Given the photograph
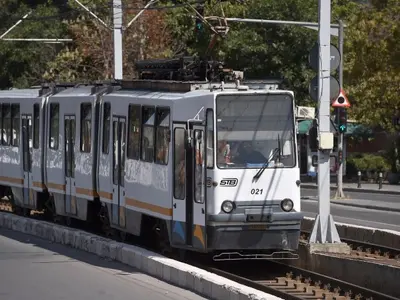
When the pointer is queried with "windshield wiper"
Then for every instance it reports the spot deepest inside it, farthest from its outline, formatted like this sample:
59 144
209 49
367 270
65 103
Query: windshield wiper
265 165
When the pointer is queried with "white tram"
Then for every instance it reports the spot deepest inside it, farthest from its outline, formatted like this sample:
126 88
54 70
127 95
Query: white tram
209 166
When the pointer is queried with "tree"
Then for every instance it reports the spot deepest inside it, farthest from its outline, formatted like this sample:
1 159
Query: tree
90 57
23 63
373 64
262 50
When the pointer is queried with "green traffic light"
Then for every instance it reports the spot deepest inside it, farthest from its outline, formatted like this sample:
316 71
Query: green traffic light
199 26
342 128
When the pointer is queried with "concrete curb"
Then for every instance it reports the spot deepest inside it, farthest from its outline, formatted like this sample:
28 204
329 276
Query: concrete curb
383 237
367 206
361 190
177 273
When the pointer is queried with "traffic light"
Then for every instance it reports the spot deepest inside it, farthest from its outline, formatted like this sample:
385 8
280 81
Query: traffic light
313 137
342 120
199 21
340 156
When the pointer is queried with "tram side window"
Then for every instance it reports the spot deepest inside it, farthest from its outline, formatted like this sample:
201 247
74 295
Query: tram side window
210 138
148 115
106 127
15 125
36 125
162 135
6 112
86 127
54 125
134 131
179 163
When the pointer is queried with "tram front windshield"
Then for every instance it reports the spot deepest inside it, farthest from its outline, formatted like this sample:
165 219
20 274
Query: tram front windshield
254 129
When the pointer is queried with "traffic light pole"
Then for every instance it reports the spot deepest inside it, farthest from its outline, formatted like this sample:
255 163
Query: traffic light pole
324 236
339 191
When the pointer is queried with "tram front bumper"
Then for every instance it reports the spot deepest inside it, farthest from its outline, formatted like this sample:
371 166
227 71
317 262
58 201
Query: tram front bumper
254 231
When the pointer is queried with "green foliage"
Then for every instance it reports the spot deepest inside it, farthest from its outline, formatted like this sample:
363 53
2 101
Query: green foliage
369 162
90 57
23 63
372 63
262 50
372 68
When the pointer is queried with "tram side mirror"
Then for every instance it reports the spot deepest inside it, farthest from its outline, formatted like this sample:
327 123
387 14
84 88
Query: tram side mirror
287 148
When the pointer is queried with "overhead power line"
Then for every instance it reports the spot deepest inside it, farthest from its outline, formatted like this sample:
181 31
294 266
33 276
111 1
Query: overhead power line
75 12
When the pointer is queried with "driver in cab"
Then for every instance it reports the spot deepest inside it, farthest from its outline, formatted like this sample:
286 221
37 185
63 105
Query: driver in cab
247 155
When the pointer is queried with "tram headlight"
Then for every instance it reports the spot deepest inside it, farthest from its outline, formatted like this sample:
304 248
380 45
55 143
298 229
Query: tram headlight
287 205
227 206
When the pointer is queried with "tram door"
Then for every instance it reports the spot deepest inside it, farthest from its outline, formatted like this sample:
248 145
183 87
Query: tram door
197 187
179 205
27 159
189 201
118 163
69 160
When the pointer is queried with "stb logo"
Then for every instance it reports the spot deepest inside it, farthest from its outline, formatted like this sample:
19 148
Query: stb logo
228 182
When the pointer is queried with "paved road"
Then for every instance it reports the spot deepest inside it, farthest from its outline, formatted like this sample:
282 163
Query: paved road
367 187
358 215
356 195
32 268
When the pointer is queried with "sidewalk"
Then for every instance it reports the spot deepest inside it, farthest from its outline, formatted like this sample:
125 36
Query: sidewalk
365 187
361 203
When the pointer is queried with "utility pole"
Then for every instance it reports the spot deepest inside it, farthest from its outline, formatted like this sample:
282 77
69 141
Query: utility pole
342 159
117 17
324 232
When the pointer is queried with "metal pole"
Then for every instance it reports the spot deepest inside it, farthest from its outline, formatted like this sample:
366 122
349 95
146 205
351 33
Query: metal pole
280 22
117 10
339 191
324 230
310 25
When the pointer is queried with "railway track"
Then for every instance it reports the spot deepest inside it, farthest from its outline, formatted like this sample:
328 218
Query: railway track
292 283
281 280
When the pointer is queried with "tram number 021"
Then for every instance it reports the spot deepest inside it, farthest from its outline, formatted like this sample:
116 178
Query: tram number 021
256 191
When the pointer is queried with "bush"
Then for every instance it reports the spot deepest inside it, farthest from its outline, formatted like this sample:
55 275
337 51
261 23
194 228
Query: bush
369 164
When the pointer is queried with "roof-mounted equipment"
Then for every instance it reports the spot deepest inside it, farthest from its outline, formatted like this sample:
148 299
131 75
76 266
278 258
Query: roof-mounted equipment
187 68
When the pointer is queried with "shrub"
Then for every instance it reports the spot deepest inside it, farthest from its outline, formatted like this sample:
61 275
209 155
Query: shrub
369 164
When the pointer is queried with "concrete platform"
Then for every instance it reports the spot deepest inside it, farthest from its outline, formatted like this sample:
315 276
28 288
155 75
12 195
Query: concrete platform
388 238
338 248
374 275
177 273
